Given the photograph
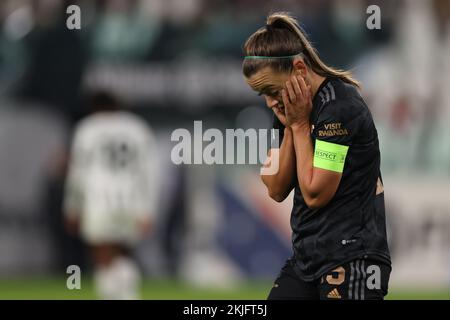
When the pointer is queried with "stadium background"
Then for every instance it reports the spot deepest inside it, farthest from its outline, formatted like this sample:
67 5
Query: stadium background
217 233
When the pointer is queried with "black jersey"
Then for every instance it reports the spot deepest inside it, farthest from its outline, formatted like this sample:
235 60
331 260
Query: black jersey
352 225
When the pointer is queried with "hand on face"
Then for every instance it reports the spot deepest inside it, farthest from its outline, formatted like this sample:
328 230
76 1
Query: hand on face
297 101
280 113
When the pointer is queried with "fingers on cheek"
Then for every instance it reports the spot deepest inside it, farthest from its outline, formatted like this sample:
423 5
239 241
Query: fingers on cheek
290 90
285 98
297 88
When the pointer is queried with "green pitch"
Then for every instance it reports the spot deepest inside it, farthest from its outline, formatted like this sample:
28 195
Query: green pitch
55 288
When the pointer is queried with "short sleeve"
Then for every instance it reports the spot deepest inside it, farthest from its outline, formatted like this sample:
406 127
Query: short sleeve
335 131
337 124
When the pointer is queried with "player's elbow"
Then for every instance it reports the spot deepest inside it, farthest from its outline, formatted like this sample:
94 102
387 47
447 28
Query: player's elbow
277 196
315 202
274 189
277 193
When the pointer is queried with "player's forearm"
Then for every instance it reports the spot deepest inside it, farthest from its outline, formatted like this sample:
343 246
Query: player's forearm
304 159
280 184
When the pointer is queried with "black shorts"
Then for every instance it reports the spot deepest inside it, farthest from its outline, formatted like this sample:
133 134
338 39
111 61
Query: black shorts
362 279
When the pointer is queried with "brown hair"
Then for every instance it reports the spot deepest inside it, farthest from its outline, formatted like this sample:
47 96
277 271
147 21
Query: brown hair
282 36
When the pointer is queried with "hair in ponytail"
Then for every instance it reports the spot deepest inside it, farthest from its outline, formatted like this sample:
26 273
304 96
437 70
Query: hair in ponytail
283 37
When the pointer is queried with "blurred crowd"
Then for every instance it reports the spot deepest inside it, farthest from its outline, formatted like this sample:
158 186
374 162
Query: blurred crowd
42 60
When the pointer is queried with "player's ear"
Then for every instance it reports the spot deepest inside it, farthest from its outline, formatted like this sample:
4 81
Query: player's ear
300 67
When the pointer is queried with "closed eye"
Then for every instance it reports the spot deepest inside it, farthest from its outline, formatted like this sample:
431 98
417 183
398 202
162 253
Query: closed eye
272 94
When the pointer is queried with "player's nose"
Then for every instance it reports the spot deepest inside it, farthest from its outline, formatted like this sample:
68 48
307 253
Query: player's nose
271 102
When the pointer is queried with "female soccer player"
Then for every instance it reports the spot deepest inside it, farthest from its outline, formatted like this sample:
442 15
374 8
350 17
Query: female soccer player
330 155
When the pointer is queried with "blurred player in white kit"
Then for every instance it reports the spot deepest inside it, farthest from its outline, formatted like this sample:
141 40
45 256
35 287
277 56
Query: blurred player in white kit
111 192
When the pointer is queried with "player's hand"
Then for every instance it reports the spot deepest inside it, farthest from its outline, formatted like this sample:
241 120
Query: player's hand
297 100
280 113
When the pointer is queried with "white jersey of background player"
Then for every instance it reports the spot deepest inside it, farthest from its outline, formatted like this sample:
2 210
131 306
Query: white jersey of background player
111 192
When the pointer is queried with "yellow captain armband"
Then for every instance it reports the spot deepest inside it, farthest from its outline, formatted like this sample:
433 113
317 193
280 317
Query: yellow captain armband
329 156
